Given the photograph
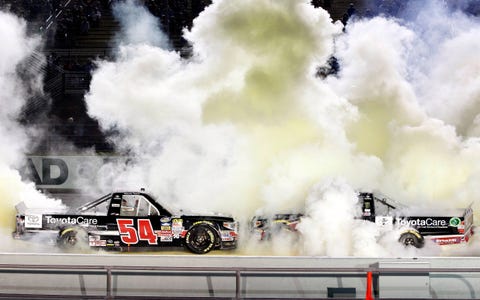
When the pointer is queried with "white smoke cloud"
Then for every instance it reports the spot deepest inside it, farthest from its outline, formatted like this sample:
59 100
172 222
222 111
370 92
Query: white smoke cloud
192 123
14 137
332 208
138 26
17 47
244 125
457 100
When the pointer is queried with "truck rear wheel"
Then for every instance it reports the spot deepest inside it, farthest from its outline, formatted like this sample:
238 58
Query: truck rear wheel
410 239
201 239
73 238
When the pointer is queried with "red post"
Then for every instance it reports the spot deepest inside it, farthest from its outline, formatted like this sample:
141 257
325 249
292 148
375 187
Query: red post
369 294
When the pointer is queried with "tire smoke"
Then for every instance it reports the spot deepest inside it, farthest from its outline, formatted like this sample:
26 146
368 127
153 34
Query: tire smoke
15 138
244 125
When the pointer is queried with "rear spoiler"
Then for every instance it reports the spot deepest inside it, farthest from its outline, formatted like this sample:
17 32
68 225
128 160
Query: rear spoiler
21 208
468 209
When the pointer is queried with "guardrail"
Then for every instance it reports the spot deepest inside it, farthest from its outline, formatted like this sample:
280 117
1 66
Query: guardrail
236 273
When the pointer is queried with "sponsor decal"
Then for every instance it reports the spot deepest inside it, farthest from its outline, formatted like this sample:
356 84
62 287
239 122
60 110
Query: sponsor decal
166 239
384 222
166 228
177 231
177 228
80 220
93 240
33 221
165 220
426 222
226 236
448 240
455 221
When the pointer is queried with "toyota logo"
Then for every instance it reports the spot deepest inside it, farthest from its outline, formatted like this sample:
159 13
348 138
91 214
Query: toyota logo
33 219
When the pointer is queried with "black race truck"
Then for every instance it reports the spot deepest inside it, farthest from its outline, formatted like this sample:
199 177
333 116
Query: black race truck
124 220
442 227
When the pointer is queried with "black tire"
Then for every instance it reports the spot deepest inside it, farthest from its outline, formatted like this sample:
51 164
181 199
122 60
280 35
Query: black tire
73 238
201 239
409 239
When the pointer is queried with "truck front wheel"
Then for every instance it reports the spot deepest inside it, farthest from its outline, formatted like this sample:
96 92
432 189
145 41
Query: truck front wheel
200 239
410 239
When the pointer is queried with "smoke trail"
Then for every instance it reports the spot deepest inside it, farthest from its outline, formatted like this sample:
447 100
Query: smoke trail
245 125
138 25
200 121
14 138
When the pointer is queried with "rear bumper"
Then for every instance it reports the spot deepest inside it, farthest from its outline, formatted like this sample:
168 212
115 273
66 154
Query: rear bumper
453 239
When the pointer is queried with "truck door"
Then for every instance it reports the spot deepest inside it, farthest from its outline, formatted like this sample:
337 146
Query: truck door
141 224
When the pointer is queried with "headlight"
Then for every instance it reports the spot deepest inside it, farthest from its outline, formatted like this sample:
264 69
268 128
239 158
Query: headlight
231 225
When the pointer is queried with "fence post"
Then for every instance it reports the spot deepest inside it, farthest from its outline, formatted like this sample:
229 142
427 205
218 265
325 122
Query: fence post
109 283
237 285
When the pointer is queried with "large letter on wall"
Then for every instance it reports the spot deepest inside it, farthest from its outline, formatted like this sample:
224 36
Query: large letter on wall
54 171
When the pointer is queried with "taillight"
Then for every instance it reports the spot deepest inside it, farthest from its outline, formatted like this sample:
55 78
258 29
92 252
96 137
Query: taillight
461 227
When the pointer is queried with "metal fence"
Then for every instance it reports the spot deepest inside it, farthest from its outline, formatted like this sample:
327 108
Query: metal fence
237 276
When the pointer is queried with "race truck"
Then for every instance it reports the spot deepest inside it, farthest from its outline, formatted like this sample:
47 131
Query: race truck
123 220
442 227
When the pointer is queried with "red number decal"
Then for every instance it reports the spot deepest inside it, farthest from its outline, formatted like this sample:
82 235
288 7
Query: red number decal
128 234
145 231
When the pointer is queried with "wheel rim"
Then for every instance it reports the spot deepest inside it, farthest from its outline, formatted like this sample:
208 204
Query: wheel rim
72 240
409 241
201 239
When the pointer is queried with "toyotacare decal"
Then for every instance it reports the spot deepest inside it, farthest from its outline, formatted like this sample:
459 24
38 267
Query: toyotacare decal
427 222
71 220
